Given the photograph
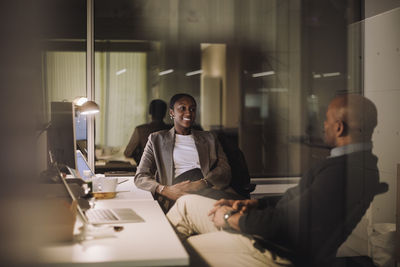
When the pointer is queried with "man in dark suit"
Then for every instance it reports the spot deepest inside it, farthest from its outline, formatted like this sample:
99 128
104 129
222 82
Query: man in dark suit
137 143
311 221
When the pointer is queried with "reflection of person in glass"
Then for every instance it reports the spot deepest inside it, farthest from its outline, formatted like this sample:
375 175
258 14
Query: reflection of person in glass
137 143
182 160
311 220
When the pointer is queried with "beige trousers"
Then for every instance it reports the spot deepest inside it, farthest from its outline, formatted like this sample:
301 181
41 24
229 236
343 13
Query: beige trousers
216 247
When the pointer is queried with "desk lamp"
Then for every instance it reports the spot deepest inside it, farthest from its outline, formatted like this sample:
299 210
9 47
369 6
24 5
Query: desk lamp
85 106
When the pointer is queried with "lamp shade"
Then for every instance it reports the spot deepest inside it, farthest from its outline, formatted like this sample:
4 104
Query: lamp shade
89 107
79 100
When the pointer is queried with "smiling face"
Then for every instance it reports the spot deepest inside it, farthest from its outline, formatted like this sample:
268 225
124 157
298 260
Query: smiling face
184 114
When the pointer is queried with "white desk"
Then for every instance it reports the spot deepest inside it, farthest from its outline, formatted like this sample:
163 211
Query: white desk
151 243
128 191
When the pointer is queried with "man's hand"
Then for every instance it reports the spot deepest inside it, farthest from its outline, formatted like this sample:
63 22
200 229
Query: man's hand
218 216
222 206
244 205
240 205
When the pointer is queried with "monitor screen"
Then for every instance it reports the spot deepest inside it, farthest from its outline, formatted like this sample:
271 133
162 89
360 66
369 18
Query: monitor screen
82 165
80 127
62 142
81 133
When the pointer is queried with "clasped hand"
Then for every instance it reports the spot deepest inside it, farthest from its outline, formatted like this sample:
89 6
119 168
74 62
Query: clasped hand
222 206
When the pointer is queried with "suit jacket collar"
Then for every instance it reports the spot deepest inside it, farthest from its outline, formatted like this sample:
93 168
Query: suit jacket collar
350 148
167 151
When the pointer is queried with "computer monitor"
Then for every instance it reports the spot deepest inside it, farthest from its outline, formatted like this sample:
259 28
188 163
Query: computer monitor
62 141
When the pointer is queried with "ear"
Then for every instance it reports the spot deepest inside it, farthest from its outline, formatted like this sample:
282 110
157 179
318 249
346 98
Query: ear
340 129
171 113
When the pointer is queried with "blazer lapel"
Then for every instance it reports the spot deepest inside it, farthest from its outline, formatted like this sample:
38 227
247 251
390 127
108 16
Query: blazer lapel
202 149
167 150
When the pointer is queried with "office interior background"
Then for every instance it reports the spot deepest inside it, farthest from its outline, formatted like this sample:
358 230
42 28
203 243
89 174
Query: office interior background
261 71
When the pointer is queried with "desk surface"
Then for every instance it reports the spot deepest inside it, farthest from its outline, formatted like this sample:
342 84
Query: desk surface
150 243
128 191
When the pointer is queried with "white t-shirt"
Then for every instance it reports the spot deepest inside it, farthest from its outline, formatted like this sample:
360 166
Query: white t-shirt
185 154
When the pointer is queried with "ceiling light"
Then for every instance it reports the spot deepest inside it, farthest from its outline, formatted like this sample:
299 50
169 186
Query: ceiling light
265 73
194 72
331 74
120 71
165 72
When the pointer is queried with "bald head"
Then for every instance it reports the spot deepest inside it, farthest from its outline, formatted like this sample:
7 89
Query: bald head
351 118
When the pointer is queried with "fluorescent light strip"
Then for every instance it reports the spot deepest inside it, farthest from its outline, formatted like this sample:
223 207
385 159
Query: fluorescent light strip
194 72
120 71
317 76
165 72
260 74
273 90
331 74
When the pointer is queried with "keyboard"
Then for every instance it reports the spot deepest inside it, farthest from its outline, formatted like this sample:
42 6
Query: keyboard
100 215
120 215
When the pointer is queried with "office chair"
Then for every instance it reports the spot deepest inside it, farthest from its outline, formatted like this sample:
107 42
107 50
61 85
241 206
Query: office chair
240 181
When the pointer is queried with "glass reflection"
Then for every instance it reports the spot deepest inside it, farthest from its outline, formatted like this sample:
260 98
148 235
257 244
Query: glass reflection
261 71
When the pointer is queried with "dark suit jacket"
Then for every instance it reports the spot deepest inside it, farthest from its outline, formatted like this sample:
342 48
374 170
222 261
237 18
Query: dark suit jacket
157 164
314 218
138 140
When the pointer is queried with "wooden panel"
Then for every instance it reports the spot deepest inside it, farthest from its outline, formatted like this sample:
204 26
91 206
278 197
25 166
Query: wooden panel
210 102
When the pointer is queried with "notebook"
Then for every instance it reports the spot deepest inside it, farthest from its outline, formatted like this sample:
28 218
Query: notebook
103 216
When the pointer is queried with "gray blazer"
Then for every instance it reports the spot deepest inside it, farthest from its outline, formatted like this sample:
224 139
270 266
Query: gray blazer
157 164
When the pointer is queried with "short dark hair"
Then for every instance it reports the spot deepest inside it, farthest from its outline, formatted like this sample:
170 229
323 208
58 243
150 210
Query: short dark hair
157 109
360 115
176 97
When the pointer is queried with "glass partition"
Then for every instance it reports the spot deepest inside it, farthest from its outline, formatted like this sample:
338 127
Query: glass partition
120 83
262 71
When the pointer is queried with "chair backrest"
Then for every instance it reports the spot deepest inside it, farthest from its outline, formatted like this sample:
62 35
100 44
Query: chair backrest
382 188
240 181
